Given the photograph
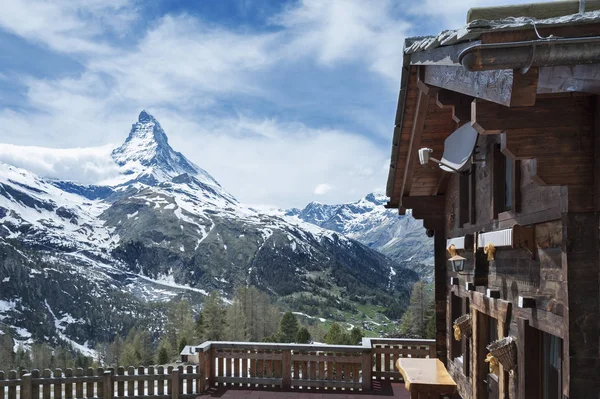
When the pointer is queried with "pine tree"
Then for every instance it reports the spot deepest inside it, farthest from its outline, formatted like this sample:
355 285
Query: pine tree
214 317
182 344
356 336
288 327
63 358
200 327
414 323
115 350
336 335
144 345
22 359
163 355
41 356
303 336
7 355
236 321
180 322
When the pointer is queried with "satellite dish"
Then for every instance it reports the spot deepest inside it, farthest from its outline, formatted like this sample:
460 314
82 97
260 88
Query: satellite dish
458 148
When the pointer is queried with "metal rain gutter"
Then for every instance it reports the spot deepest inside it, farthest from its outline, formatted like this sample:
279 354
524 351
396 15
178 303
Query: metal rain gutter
531 53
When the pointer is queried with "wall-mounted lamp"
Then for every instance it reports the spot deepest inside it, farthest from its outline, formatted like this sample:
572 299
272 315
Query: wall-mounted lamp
457 261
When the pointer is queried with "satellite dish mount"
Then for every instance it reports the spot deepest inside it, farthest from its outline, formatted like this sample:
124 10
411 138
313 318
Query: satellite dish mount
425 157
458 151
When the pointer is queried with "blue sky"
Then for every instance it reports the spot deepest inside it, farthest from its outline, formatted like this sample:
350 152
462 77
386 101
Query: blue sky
283 102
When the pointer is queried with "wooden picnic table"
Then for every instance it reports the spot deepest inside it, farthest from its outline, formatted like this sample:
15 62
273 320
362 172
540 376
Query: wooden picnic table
425 378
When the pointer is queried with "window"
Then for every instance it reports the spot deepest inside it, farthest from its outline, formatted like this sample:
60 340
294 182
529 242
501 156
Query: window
508 186
551 367
466 209
506 183
541 373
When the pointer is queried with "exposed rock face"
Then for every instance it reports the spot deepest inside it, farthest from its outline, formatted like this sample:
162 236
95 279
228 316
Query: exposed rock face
81 262
400 237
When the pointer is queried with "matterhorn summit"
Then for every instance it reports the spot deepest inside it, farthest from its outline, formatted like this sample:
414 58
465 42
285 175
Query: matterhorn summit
146 155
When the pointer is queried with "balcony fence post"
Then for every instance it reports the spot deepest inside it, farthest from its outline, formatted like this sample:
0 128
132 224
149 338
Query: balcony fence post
175 384
26 386
202 371
211 366
108 385
367 369
286 368
432 350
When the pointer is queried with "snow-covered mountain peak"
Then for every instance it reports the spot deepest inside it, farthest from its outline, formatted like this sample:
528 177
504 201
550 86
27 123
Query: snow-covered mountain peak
147 141
145 117
374 198
147 156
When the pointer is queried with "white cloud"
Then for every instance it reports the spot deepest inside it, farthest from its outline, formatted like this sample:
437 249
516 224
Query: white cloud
322 189
282 166
84 165
65 25
347 31
185 61
179 69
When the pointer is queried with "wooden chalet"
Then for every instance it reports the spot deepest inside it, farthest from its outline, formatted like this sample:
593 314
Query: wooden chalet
520 204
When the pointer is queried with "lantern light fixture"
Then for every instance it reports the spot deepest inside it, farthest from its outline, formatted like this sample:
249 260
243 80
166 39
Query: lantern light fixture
457 261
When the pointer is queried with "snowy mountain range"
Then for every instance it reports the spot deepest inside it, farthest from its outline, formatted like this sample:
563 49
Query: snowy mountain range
400 237
80 263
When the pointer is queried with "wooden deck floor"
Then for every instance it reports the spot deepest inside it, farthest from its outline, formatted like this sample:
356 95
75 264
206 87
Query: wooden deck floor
381 389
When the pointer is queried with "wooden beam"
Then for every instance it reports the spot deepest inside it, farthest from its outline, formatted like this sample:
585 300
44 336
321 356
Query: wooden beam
596 146
524 88
442 184
497 308
491 118
415 140
572 78
505 87
549 171
429 204
460 104
495 86
425 91
534 143
434 223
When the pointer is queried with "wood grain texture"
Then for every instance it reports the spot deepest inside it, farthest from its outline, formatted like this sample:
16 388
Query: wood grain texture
494 86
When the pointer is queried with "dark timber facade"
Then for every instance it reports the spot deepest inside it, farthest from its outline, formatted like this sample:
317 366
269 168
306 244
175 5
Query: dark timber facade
531 88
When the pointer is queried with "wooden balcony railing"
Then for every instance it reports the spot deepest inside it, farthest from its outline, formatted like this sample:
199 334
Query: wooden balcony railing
254 365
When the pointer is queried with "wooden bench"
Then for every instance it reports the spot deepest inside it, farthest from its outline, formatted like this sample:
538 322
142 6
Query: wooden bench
425 378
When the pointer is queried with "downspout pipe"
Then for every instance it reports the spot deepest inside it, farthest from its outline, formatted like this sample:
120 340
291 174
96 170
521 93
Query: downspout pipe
531 53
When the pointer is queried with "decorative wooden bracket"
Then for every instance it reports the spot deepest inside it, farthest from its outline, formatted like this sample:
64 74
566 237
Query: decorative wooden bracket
526 302
460 104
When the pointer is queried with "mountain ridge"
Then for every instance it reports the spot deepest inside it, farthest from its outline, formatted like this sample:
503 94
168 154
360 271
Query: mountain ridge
400 237
157 234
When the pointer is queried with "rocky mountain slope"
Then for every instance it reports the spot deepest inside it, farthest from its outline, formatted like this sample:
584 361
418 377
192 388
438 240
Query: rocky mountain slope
399 237
79 263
